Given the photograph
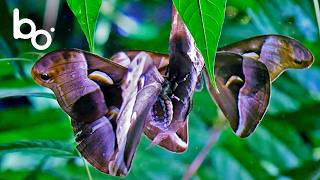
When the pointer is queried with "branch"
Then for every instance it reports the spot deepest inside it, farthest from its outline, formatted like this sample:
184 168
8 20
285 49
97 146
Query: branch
203 153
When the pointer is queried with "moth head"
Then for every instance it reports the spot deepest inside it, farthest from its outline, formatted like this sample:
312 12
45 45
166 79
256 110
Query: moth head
297 55
42 74
50 67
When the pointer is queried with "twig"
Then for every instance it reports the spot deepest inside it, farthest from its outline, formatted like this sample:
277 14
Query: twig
317 10
203 153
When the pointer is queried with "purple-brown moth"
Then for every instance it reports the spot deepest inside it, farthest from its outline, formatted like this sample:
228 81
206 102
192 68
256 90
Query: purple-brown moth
167 122
107 102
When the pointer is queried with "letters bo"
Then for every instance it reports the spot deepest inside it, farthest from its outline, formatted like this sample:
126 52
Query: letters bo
33 34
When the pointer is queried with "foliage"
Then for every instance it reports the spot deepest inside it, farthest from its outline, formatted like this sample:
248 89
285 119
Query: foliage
204 19
87 13
36 140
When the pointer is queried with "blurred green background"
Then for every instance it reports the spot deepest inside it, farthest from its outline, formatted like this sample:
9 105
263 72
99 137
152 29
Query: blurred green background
36 140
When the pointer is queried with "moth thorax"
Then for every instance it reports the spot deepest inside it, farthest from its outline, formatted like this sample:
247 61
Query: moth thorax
166 88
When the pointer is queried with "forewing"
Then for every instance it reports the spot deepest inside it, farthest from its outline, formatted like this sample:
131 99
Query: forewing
277 52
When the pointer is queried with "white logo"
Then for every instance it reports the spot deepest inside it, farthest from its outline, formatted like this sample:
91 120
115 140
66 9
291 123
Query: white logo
33 34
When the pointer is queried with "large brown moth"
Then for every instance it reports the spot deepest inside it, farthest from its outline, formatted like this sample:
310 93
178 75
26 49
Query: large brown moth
249 66
108 103
167 122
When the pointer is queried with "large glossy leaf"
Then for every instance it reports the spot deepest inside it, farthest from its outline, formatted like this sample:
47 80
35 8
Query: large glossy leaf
204 19
86 12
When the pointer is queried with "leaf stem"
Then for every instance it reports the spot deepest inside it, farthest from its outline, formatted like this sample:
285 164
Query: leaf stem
17 59
86 166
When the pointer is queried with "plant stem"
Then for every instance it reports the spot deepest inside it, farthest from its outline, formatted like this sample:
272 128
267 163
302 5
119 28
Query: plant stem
203 153
86 166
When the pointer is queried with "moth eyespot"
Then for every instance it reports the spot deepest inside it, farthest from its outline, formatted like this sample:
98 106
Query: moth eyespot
298 61
45 77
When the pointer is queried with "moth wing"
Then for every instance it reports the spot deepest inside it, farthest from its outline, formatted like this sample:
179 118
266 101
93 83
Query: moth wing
276 52
112 69
161 61
96 142
243 91
254 96
140 89
226 66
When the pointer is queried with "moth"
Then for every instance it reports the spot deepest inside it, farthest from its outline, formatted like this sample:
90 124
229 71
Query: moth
111 102
244 72
107 102
167 122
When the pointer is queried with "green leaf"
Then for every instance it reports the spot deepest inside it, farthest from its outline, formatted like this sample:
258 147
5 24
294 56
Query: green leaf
204 19
279 144
231 154
50 148
35 92
308 170
15 119
54 130
87 12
